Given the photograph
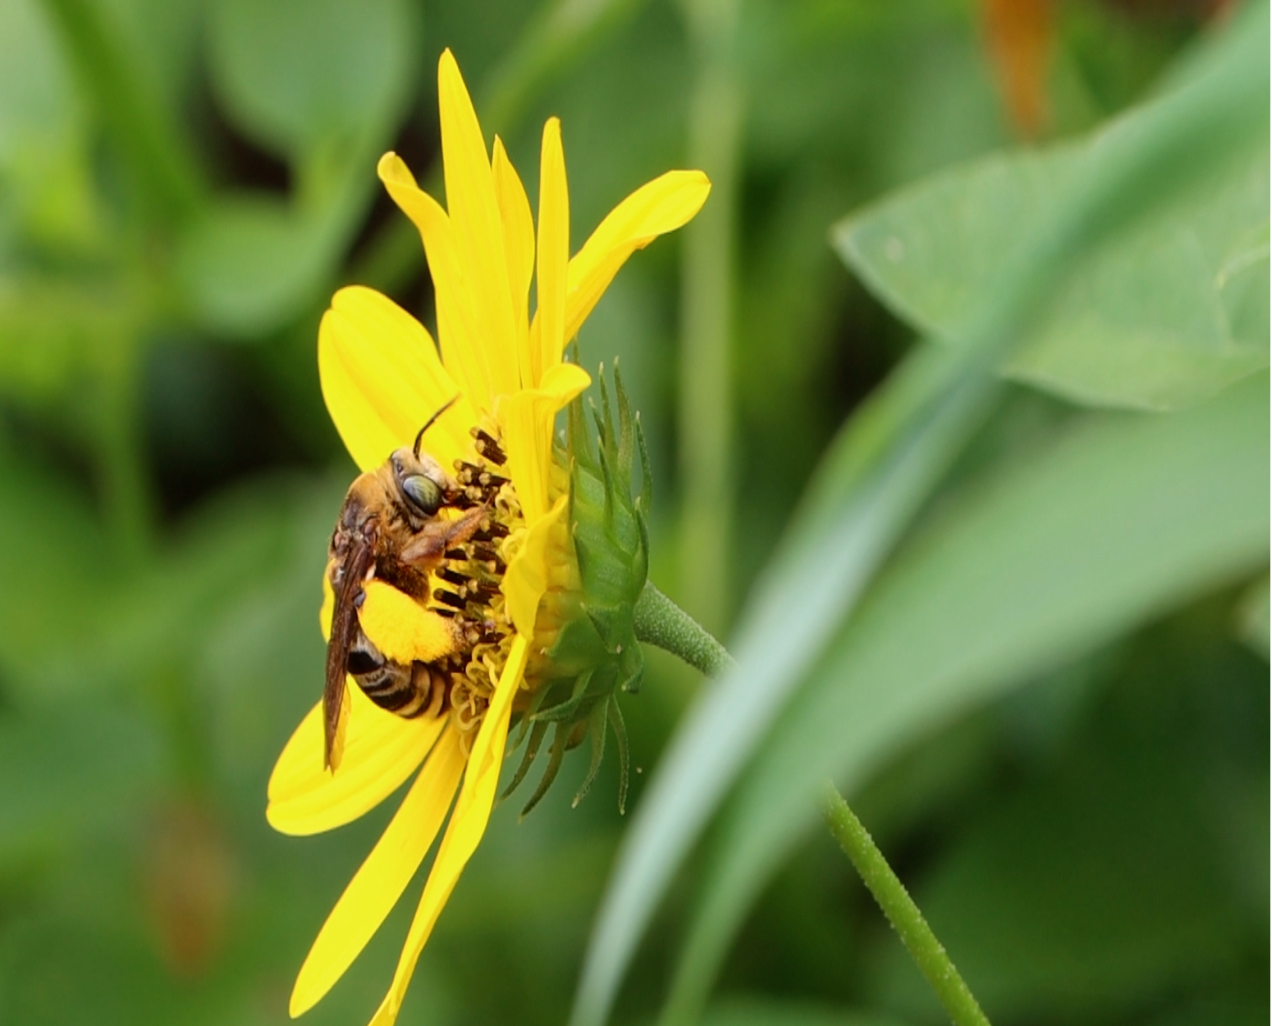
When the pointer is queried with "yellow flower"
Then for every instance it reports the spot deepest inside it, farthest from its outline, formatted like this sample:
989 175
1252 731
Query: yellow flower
382 377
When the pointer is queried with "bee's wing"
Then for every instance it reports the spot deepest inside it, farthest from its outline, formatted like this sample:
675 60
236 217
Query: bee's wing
344 627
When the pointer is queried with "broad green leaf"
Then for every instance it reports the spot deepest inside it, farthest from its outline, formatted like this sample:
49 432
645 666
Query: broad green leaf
163 176
1118 522
324 85
160 37
252 263
1159 316
37 96
300 74
44 173
875 478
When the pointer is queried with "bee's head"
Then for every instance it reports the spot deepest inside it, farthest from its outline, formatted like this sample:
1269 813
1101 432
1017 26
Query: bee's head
420 478
421 482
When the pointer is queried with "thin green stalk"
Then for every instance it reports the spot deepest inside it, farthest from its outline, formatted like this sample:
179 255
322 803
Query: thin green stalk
705 415
659 621
125 484
904 915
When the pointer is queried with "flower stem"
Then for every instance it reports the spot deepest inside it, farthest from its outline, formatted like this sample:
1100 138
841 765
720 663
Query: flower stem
661 622
904 915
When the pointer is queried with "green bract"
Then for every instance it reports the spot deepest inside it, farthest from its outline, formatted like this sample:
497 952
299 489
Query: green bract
595 654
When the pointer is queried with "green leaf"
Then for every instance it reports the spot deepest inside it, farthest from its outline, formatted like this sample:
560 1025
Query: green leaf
323 84
251 263
43 137
1159 316
37 97
1120 521
166 178
295 74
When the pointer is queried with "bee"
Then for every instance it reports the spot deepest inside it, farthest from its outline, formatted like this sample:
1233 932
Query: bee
391 528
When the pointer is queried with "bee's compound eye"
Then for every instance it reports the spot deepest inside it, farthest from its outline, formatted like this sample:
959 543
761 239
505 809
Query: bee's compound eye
423 493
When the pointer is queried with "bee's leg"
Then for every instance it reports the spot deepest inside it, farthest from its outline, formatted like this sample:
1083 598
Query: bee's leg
429 546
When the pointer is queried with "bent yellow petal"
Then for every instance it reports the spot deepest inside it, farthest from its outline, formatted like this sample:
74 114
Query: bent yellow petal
526 578
554 254
526 421
327 609
382 379
654 209
381 750
379 882
401 628
467 824
458 327
478 229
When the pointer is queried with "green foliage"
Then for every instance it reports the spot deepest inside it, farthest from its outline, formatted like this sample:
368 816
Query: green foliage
995 593
889 460
301 77
1162 315
1027 636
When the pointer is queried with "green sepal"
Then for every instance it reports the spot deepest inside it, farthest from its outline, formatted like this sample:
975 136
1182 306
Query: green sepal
595 654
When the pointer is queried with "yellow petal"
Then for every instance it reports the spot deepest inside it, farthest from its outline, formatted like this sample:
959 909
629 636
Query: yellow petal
518 232
526 578
381 750
457 321
525 421
382 379
477 226
657 207
328 608
379 882
467 824
554 253
401 628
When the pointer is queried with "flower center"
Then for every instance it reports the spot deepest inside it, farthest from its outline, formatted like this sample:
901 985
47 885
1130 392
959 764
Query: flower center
466 588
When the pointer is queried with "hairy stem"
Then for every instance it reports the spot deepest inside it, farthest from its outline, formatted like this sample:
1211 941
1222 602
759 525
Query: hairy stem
661 622
904 915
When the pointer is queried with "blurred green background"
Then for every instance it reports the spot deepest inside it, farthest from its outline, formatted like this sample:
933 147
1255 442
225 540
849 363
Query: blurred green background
1084 816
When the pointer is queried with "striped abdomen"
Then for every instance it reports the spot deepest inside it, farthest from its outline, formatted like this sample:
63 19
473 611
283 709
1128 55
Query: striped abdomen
406 690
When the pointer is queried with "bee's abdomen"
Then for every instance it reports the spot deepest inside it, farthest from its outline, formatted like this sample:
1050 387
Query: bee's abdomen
406 690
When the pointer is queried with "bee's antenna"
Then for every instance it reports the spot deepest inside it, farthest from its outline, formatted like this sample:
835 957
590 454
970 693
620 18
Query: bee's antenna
429 423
